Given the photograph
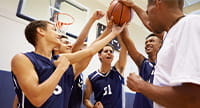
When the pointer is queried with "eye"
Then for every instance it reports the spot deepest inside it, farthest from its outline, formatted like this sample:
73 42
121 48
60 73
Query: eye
106 51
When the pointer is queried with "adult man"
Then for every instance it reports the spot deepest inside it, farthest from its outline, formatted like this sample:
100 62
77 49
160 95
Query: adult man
142 14
145 65
176 77
41 81
107 82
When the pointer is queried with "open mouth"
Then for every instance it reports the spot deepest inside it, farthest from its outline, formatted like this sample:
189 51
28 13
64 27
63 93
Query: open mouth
108 57
149 47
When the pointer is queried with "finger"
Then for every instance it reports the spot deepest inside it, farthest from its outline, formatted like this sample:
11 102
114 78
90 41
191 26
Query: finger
124 25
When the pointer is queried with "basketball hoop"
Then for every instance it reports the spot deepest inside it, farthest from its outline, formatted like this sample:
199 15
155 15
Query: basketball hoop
62 22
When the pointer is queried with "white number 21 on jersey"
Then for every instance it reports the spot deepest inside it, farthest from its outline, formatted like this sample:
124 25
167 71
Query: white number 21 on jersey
107 90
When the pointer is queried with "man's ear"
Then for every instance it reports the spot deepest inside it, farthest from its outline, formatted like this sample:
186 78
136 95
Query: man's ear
99 55
40 31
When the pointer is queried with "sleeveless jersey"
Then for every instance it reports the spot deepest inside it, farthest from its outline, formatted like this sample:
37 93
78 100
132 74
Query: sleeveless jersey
76 95
108 88
44 68
146 72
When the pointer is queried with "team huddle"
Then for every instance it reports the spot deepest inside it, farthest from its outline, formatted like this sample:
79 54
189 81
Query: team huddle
51 75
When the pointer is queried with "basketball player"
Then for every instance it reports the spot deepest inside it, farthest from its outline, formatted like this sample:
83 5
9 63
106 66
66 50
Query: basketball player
44 82
76 95
107 82
145 65
176 77
72 48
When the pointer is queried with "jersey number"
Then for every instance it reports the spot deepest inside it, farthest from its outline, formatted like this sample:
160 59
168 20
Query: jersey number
58 90
107 90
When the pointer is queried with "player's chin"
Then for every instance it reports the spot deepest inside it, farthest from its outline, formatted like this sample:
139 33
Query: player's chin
149 52
109 60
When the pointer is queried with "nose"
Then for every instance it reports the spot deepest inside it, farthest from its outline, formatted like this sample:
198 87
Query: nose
69 46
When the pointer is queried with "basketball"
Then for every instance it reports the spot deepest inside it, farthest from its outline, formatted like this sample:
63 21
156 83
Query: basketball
121 13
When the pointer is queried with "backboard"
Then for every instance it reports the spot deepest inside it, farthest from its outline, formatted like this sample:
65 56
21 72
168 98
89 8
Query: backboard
44 10
114 42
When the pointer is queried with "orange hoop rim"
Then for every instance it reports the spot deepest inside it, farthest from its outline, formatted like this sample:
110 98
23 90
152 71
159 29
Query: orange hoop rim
64 23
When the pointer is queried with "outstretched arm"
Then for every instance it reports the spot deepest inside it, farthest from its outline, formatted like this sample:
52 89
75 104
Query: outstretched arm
82 64
28 80
121 62
107 30
84 33
184 96
95 47
87 94
139 11
135 55
86 54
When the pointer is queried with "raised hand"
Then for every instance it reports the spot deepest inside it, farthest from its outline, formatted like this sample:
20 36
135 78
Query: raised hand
109 23
128 3
117 29
98 105
98 14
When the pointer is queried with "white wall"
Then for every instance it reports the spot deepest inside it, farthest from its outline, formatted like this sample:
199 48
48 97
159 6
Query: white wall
12 37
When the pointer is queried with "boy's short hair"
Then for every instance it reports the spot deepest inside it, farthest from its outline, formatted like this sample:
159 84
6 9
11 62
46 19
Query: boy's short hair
105 46
31 30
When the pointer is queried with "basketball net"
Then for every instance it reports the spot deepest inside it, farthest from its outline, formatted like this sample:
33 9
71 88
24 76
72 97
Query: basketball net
62 22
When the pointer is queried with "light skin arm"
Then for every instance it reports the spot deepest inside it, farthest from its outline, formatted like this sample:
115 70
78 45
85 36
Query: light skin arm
87 94
28 80
135 55
80 40
139 11
121 62
107 30
92 49
184 96
80 66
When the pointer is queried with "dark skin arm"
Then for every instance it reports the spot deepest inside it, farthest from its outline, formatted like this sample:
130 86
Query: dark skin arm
184 96
139 11
132 51
121 62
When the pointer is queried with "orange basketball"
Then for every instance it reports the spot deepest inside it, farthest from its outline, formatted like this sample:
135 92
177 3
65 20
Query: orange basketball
121 13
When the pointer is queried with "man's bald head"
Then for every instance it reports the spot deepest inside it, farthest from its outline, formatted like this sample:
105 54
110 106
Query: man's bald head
170 3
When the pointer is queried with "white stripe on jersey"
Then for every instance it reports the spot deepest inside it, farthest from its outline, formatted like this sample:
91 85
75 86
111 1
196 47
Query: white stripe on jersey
94 76
103 75
15 82
123 96
23 99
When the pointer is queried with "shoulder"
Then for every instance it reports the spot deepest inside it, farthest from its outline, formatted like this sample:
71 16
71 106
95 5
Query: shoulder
19 57
147 62
189 20
20 61
193 17
92 75
114 71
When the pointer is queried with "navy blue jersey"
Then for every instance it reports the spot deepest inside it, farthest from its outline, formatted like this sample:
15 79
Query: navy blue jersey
146 72
44 68
76 95
108 88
